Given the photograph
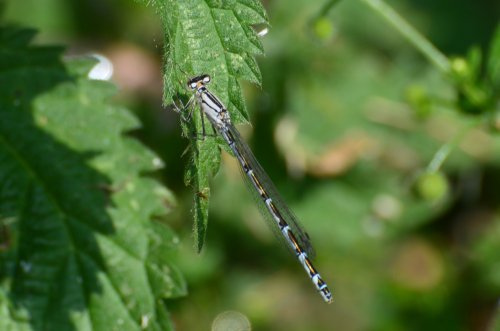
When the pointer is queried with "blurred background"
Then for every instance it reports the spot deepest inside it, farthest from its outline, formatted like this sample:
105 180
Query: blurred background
348 119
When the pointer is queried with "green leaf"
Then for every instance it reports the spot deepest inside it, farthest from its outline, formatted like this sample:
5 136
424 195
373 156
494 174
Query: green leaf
493 65
484 253
79 249
212 37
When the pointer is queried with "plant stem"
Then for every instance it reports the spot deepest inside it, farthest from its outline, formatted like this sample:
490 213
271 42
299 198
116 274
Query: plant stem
411 34
444 151
439 157
326 8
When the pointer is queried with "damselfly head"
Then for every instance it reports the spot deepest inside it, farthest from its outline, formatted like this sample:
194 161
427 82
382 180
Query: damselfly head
198 81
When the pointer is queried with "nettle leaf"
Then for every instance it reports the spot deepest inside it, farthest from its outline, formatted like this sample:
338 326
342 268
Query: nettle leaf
78 247
212 37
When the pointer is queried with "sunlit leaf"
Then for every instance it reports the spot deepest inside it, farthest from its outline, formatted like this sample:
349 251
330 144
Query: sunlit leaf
214 37
82 252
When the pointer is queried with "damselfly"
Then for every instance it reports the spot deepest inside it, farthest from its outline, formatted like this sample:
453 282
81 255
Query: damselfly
272 206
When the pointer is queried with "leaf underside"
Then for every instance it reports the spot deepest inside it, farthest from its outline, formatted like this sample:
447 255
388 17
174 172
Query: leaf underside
78 248
214 37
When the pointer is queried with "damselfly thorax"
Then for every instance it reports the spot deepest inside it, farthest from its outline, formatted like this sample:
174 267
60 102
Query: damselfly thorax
272 206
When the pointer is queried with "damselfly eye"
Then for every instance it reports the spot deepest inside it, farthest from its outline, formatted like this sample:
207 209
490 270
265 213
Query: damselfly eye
268 198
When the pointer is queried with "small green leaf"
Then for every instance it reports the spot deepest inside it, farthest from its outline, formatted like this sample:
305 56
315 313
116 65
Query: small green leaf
82 251
493 65
474 60
212 37
418 97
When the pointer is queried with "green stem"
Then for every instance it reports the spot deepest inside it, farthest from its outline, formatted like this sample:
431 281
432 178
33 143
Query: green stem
326 8
411 34
444 151
440 156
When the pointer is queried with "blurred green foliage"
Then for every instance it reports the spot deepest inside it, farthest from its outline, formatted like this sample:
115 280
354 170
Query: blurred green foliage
391 163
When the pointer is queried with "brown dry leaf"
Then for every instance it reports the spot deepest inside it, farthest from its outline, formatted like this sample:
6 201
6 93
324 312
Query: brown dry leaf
341 156
417 265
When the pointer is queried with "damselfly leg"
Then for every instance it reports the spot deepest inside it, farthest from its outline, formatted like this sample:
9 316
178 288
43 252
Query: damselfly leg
273 207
